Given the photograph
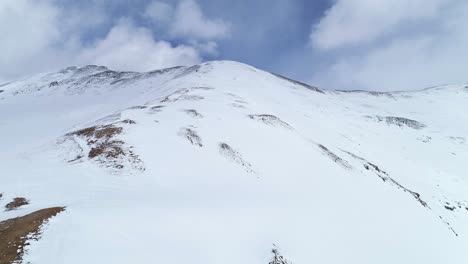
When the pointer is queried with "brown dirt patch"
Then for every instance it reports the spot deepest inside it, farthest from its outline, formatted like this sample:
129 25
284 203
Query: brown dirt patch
108 149
105 149
16 203
99 132
14 233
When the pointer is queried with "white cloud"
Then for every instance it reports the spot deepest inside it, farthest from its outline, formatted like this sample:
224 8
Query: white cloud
205 47
186 21
28 29
159 12
127 47
416 48
355 22
190 22
41 35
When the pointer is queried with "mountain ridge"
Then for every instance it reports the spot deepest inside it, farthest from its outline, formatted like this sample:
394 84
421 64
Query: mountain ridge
221 160
97 71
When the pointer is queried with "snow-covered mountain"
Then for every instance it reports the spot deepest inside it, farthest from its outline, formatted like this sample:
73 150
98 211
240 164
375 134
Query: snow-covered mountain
217 162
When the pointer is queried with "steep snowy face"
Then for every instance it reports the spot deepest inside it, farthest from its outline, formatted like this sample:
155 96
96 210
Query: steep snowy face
217 162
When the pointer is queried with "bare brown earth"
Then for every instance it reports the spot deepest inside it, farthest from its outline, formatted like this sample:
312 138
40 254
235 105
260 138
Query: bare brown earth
15 232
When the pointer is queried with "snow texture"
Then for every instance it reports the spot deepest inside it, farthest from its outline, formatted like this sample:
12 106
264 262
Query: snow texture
213 163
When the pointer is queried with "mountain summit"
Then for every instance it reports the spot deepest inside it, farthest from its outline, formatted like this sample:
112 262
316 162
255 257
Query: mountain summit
217 162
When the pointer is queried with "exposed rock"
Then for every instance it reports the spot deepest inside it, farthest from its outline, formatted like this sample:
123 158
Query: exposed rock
191 136
234 156
334 157
156 109
193 113
106 150
278 258
400 121
383 175
137 107
270 120
16 203
129 122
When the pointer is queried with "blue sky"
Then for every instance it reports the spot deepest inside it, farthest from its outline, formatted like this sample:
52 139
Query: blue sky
334 44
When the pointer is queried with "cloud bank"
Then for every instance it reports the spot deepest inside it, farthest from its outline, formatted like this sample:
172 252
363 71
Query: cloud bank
42 35
393 45
341 44
128 47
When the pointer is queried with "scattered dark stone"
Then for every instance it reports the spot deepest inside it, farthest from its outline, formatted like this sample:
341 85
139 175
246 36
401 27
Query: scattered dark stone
334 157
1 91
157 108
231 154
377 168
277 258
129 121
373 93
401 121
191 136
193 113
137 107
451 208
78 157
383 175
52 84
270 120
16 203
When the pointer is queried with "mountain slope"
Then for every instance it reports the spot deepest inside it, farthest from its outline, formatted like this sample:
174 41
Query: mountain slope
216 162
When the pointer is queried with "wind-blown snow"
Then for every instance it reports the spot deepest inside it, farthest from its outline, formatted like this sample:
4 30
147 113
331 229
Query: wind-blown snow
327 176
